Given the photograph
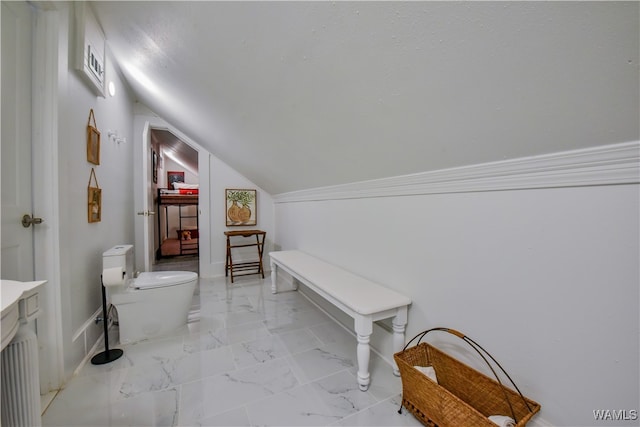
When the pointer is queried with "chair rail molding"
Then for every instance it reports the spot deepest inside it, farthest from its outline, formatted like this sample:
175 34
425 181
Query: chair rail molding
612 164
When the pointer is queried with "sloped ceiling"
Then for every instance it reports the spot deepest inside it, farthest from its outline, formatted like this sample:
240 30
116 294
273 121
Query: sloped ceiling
297 95
170 145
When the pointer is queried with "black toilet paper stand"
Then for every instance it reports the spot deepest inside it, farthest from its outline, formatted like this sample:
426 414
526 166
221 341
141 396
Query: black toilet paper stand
108 355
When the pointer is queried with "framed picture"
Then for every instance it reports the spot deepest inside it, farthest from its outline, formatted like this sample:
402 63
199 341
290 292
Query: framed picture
174 176
94 199
95 204
154 158
93 141
241 207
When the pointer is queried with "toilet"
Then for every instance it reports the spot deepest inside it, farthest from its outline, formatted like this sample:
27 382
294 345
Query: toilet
151 304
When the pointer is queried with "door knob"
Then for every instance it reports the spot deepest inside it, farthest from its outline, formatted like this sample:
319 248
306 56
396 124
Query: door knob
146 213
27 220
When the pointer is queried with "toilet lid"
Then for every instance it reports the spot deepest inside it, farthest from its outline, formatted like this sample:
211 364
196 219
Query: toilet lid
160 279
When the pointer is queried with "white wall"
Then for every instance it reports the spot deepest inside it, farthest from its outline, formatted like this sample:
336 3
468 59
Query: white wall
545 279
82 243
223 177
190 177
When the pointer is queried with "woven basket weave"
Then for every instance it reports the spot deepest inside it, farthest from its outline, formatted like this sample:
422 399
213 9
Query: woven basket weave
462 396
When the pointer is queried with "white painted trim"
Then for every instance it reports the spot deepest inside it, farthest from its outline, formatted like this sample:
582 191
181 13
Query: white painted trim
46 201
81 332
89 322
93 350
204 210
605 165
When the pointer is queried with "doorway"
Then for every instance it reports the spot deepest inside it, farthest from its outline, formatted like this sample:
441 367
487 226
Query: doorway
144 122
175 183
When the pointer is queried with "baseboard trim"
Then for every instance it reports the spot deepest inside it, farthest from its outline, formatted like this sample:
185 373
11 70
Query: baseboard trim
91 321
604 165
90 349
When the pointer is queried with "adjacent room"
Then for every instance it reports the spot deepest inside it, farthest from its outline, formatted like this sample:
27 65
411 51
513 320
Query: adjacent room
239 213
174 188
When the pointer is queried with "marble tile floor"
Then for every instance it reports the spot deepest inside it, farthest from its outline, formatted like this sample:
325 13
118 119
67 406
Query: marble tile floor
246 358
184 263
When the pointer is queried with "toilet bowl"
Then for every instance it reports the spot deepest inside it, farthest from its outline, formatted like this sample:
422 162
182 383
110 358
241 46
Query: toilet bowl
152 304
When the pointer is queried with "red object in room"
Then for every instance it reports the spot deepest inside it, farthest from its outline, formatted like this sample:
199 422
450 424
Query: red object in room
188 191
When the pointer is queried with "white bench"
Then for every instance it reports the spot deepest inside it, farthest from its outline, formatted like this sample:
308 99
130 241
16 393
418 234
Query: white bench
360 298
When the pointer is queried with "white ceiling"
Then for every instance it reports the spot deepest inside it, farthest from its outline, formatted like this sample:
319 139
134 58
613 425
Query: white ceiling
170 145
297 95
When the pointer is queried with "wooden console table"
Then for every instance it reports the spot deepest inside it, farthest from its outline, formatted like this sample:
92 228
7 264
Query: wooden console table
247 267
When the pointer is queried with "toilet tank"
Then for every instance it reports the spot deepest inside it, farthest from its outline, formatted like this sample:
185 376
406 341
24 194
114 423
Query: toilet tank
120 256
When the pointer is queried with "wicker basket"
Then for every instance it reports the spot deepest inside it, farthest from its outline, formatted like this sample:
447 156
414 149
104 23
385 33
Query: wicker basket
462 396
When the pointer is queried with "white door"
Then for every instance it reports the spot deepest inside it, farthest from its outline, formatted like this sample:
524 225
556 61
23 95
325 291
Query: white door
17 241
148 210
17 154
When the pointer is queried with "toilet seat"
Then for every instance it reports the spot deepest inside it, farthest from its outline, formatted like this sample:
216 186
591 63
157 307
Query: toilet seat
161 279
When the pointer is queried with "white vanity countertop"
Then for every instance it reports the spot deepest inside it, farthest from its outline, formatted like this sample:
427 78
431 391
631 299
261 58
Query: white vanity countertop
12 291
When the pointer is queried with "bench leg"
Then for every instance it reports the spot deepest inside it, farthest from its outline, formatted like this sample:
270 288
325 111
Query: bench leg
364 328
274 278
399 323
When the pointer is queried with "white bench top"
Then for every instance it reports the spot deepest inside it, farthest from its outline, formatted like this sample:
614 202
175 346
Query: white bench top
357 293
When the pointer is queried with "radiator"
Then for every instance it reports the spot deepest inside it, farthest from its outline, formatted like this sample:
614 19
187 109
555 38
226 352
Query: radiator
20 381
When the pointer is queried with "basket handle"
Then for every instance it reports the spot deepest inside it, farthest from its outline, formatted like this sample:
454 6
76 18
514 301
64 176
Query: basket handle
482 352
